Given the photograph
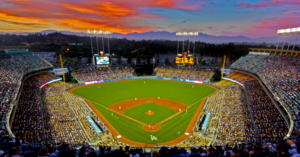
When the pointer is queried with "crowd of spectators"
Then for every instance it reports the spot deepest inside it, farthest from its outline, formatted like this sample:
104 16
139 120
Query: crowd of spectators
66 118
230 116
279 148
269 122
281 74
11 73
28 120
184 73
101 74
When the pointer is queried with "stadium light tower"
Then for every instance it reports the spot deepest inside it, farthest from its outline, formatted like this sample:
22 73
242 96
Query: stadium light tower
107 33
186 34
91 34
297 31
279 32
178 34
287 31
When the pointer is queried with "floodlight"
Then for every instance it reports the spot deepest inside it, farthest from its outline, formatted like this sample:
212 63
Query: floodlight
179 34
88 31
185 33
288 30
293 30
298 29
106 32
95 31
190 33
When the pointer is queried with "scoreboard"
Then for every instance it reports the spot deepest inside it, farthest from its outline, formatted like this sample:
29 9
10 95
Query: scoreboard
184 60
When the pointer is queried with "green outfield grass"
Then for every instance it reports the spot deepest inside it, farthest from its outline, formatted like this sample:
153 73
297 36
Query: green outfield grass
160 113
104 95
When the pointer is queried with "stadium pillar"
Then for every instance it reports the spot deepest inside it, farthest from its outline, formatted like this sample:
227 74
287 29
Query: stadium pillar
189 45
103 44
295 41
182 45
283 41
92 51
223 66
62 69
97 44
278 42
178 46
289 42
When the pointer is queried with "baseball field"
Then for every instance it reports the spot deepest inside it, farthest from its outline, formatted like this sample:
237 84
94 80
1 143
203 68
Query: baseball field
147 111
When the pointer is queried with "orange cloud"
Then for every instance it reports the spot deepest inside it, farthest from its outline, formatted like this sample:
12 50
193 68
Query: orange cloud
121 16
174 4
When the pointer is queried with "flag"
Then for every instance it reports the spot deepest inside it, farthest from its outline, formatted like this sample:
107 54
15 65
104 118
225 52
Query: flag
153 61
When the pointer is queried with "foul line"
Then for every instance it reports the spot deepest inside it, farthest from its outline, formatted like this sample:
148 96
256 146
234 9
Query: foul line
97 104
179 112
142 122
118 113
184 114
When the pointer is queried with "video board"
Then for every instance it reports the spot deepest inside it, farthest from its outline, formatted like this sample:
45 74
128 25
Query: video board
102 60
184 60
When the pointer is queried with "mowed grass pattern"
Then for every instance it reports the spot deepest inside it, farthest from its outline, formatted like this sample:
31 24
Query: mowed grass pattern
104 95
139 113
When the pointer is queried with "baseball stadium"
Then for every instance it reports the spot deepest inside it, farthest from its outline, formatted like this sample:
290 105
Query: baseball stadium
103 104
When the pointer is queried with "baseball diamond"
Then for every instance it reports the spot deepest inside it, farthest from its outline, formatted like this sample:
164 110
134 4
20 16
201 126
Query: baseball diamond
136 110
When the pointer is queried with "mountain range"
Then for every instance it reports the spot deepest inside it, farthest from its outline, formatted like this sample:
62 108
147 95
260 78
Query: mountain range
164 35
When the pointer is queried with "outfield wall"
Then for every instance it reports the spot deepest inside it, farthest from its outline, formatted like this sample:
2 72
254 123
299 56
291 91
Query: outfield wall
151 77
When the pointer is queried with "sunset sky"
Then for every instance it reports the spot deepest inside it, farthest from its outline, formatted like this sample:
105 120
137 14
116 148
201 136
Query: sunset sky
255 18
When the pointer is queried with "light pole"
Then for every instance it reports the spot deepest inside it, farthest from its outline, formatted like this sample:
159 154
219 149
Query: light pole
297 31
186 34
108 33
90 33
279 32
178 34
287 31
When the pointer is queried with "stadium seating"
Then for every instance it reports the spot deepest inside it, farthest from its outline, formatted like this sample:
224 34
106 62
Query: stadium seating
281 74
63 116
269 123
184 74
231 122
101 74
11 73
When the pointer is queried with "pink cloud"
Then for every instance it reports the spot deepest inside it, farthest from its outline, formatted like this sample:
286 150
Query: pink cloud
267 4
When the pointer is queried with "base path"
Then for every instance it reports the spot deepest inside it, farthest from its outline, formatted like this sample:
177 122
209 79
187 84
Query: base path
123 139
122 106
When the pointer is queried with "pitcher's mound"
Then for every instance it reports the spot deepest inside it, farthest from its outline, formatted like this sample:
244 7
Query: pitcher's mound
152 127
149 113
